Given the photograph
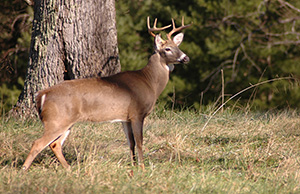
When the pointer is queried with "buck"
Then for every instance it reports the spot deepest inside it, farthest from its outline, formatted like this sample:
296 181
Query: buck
126 97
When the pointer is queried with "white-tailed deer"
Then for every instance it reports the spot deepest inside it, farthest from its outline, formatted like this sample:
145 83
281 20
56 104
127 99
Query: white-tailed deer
126 97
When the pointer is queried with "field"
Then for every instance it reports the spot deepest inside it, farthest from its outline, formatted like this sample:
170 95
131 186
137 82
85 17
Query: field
237 152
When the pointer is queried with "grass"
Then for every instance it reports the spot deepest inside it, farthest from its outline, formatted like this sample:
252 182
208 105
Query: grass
237 152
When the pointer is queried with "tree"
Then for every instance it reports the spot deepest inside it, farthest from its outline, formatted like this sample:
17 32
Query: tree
70 40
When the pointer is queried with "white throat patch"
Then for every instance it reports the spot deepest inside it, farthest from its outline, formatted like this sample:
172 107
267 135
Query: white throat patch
167 68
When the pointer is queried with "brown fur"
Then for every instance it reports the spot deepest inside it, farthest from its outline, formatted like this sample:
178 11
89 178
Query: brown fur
127 97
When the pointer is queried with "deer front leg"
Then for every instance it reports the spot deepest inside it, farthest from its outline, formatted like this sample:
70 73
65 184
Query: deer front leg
137 129
130 139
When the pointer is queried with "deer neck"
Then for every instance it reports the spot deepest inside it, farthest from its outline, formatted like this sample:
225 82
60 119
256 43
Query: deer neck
156 73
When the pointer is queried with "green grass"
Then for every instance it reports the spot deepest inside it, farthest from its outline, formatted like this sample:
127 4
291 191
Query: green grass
235 153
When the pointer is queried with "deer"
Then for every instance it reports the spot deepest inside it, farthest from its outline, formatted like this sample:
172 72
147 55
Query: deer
126 97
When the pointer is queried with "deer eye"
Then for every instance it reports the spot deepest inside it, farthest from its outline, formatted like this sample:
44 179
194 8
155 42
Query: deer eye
167 49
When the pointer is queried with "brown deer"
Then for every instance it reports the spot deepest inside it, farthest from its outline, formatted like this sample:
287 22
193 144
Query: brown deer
126 97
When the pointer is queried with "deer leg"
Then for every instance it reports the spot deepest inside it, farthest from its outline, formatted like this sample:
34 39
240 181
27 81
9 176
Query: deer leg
130 139
50 135
36 148
56 147
137 129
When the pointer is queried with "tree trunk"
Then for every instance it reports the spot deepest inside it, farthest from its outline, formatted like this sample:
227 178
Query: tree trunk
70 40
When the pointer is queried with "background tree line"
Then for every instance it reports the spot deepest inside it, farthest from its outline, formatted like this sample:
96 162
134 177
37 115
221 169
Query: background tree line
250 41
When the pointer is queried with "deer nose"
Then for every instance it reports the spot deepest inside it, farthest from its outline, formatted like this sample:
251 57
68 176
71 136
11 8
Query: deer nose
184 59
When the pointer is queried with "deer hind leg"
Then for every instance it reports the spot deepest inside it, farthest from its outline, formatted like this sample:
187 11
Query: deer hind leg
51 134
130 139
56 147
137 129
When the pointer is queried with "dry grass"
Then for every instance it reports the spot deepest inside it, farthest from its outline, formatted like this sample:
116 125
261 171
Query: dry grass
236 153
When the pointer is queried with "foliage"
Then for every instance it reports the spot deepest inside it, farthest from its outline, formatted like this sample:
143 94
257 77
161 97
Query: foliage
16 18
251 41
236 153
9 96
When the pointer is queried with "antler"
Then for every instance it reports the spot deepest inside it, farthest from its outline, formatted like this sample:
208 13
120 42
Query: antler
177 29
154 29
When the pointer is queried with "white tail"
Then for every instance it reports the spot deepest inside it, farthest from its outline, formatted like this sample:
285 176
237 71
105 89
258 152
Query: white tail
127 97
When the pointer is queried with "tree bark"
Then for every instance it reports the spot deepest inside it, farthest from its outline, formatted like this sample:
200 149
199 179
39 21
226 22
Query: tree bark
70 40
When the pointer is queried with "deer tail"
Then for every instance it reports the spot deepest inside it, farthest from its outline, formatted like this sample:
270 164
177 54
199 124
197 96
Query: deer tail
40 97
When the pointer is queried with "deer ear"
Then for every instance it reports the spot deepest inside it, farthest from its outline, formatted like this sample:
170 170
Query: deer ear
178 39
158 42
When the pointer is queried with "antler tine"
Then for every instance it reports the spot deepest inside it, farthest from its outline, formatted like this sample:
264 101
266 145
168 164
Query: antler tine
154 29
177 29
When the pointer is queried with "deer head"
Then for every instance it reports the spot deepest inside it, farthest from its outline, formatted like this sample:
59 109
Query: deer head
168 49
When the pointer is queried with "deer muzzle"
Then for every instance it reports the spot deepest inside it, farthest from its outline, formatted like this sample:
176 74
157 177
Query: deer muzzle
184 59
